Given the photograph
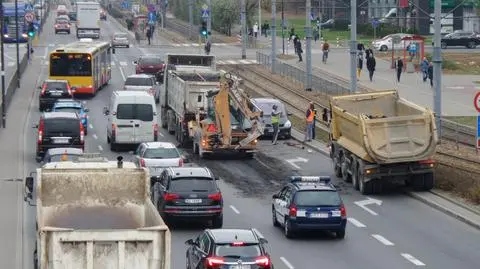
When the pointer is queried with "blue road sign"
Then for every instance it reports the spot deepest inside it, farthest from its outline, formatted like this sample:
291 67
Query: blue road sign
29 8
152 17
375 23
478 132
205 13
312 17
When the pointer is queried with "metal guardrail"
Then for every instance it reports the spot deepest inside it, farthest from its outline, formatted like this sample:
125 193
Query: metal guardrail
332 84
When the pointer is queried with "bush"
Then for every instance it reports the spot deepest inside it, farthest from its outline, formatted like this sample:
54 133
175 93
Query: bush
446 64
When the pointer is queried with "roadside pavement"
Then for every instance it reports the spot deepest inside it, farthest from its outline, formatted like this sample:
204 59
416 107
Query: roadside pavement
445 202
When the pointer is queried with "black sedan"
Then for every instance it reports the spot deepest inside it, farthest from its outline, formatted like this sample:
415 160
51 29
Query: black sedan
464 39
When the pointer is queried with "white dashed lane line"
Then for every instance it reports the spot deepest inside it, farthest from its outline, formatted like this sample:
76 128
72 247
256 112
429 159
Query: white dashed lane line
356 223
412 259
382 240
100 148
123 63
287 263
90 126
95 136
234 209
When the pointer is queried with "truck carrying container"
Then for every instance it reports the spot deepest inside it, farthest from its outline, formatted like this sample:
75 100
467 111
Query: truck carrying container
88 20
97 214
379 136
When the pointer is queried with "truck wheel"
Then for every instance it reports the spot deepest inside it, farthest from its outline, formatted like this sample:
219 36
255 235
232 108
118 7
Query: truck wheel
377 186
428 181
355 176
337 165
344 168
418 182
365 188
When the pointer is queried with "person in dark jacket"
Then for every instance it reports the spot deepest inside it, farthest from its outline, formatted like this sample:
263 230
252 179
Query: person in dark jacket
298 49
399 66
430 73
371 63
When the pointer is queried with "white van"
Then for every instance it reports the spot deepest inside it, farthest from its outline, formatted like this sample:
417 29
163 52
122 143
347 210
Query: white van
132 118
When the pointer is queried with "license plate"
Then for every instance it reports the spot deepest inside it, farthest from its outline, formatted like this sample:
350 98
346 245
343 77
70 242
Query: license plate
193 201
60 140
269 130
56 93
319 215
239 267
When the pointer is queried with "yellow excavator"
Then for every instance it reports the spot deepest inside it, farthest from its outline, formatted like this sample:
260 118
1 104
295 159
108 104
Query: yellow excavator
232 124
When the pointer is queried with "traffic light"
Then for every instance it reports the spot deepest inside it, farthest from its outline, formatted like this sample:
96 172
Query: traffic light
31 30
203 29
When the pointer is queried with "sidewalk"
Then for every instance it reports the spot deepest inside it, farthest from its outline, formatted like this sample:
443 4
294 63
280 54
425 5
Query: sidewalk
458 90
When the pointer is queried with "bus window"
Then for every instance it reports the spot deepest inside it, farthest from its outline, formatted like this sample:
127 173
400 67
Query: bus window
77 64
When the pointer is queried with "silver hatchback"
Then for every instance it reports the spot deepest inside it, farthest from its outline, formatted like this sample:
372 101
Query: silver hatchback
120 40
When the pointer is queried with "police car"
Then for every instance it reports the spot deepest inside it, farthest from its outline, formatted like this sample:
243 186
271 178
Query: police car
309 203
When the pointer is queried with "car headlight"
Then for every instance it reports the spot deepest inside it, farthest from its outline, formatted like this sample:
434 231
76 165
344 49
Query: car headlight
288 124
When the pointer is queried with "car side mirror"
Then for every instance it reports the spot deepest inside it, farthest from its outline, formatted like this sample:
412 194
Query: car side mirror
105 111
190 242
35 126
29 184
275 196
135 62
86 109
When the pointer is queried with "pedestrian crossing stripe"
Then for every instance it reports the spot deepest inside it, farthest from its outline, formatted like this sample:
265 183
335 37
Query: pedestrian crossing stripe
15 45
196 44
237 62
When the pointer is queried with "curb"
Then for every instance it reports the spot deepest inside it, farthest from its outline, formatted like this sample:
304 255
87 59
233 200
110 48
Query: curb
444 209
299 139
443 196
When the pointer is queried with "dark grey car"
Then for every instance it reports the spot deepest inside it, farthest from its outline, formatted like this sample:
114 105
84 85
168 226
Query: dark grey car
266 104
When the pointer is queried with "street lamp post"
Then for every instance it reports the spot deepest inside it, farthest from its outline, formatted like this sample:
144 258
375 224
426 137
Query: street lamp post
283 29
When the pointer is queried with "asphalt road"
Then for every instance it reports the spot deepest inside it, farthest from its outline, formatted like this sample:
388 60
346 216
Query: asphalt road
400 233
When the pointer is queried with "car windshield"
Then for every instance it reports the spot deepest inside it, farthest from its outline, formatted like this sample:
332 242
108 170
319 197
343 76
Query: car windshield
161 153
237 251
150 61
192 184
120 36
143 112
267 108
68 109
61 21
317 198
56 86
70 64
139 82
61 157
67 127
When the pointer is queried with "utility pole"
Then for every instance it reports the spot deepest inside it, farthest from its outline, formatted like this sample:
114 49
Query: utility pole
283 28
243 18
4 116
353 46
209 19
308 33
274 35
260 14
17 36
190 18
437 67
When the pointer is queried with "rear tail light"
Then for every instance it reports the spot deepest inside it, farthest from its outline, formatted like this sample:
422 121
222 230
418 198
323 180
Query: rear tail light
170 196
216 197
212 262
40 137
155 132
293 211
152 91
263 261
69 90
142 163
114 132
429 163
180 162
44 89
343 211
82 134
236 244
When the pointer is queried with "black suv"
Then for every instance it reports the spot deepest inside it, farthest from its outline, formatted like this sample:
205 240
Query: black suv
188 193
59 130
51 91
228 248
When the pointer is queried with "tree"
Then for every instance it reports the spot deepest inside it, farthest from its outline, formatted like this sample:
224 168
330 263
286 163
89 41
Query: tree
224 15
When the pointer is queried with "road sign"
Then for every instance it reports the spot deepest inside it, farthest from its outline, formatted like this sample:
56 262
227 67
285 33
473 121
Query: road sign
29 17
151 8
152 17
478 132
476 102
205 14
375 23
29 8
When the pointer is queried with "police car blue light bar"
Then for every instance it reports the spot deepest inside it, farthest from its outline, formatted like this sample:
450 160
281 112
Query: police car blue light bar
320 179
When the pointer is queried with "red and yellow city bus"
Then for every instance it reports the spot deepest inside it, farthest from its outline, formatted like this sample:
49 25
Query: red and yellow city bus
85 64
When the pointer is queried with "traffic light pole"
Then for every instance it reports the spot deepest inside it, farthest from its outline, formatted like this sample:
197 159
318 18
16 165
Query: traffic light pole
243 18
2 59
18 44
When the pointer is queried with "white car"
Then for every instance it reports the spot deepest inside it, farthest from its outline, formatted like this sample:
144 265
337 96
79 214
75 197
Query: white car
144 83
156 156
385 43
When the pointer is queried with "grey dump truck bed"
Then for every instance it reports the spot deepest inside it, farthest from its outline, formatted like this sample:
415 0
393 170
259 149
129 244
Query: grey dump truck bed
378 136
98 217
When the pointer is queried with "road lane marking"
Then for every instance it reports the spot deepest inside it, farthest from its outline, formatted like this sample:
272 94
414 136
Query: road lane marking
356 223
244 61
45 54
90 126
160 134
112 63
123 63
10 64
186 45
287 263
383 240
231 62
100 148
95 136
234 209
412 259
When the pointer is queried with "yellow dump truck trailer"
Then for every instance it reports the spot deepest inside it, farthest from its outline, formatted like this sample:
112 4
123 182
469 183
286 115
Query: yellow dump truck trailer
379 136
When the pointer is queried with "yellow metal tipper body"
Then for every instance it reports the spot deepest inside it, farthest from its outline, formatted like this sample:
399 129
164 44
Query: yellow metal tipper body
376 137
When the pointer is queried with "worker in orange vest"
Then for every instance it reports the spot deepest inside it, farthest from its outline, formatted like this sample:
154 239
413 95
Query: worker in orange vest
310 118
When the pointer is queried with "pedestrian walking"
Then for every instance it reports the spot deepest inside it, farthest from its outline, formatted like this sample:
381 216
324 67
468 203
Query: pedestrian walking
275 123
371 64
424 67
325 116
309 119
314 120
368 52
325 50
298 49
399 66
255 30
149 35
267 28
430 73
359 66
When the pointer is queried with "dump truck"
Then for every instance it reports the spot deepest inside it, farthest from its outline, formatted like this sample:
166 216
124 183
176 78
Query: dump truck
232 123
183 96
96 214
88 20
378 137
